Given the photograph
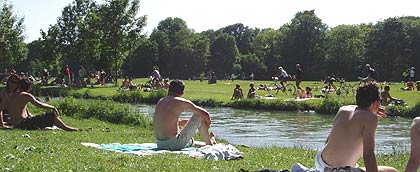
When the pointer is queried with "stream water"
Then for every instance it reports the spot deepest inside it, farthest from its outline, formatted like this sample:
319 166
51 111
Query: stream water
257 128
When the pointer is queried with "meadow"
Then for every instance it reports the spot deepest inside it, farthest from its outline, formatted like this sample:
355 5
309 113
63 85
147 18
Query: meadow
61 151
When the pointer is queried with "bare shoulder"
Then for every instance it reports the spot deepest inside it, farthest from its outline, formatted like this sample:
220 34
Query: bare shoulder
347 109
182 99
27 95
366 116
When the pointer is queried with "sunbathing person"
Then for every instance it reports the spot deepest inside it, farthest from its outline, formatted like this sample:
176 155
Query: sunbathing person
413 163
166 121
17 105
409 87
125 83
237 93
12 86
251 91
386 97
353 134
301 94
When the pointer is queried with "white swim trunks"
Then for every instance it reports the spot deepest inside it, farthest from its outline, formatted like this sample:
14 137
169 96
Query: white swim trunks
184 138
321 166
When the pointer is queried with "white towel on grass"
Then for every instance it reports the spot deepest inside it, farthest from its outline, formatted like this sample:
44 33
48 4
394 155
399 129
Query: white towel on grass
215 152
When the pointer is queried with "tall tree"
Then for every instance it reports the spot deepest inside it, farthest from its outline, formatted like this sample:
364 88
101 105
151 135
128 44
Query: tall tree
224 55
12 47
141 62
388 48
121 28
174 39
412 27
71 25
303 43
266 48
345 50
243 36
200 53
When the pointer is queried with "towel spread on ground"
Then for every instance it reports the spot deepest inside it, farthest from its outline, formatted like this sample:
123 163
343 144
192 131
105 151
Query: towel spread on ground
215 152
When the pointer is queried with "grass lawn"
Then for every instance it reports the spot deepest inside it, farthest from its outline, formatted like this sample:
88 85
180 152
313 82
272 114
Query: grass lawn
61 151
223 90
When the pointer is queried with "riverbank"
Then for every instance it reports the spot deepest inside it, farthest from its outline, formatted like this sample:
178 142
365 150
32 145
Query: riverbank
213 95
58 150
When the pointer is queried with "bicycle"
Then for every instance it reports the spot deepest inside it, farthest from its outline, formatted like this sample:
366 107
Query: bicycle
342 89
288 89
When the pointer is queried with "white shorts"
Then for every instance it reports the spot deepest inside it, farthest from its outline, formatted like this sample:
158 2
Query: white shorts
321 166
184 138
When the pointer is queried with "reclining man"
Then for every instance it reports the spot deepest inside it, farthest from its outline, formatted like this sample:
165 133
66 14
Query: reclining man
353 134
167 124
17 104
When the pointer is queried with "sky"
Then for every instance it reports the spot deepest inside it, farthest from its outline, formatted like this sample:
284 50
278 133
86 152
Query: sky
201 15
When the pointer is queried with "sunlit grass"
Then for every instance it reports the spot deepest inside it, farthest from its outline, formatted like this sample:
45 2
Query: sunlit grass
61 151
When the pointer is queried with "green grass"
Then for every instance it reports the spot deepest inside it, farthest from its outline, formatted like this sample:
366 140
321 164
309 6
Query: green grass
62 151
222 90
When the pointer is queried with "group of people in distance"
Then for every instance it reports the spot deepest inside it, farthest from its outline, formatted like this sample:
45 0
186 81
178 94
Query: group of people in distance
14 110
352 135
238 93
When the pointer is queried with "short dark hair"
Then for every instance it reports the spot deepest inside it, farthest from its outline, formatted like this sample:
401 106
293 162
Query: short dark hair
386 88
25 84
367 93
176 87
14 79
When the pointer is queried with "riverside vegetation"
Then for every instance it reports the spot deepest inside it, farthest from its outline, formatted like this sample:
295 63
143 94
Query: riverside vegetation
104 123
219 94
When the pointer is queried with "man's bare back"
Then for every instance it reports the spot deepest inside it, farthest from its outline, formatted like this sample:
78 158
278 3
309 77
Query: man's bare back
345 142
353 134
17 105
167 124
167 113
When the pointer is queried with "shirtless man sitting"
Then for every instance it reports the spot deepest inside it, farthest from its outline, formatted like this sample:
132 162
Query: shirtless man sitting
167 123
17 104
413 163
353 134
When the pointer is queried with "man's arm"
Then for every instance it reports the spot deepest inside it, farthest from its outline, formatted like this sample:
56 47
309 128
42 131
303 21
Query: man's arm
199 111
369 143
39 104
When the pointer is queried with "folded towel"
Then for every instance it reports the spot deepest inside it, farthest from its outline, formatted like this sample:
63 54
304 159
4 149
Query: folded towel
214 152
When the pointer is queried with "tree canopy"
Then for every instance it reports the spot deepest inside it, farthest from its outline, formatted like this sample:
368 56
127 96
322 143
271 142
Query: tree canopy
110 36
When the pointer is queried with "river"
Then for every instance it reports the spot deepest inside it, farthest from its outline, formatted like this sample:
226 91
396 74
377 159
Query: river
257 128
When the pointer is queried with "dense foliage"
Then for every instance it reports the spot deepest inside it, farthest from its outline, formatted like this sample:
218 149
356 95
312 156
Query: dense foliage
109 36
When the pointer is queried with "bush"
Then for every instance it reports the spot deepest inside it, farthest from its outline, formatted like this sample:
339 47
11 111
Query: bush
103 110
155 96
404 111
129 97
332 105
207 102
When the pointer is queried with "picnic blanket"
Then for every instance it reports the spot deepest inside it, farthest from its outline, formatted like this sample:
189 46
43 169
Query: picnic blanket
215 152
300 99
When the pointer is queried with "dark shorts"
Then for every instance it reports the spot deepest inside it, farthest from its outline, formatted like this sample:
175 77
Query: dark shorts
37 122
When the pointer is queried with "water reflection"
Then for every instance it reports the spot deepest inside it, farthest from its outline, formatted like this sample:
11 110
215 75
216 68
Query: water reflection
256 128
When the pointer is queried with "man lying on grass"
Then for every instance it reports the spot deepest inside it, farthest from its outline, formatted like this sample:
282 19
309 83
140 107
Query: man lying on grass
353 134
17 104
167 123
